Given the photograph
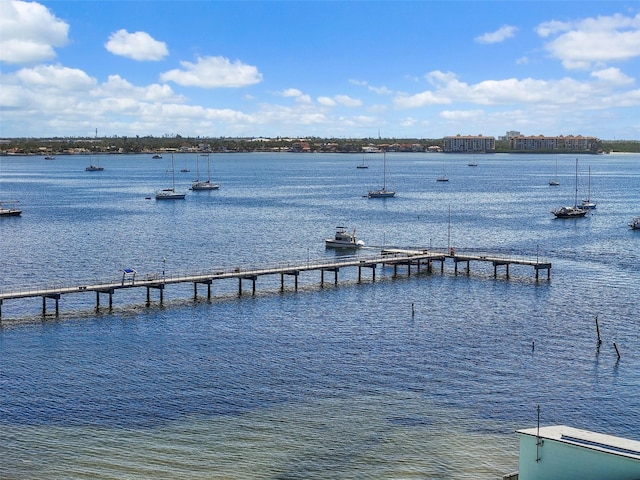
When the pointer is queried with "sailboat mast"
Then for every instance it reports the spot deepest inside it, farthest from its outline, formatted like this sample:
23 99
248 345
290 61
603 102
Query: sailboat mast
384 170
576 204
173 174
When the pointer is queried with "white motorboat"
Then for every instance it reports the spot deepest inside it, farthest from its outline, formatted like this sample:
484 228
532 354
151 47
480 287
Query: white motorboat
635 223
343 239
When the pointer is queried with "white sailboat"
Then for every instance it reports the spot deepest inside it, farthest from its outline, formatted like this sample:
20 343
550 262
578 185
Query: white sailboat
170 193
554 181
443 177
587 203
7 211
204 184
383 192
571 212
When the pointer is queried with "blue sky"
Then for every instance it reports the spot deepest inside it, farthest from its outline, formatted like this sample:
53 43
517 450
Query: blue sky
419 69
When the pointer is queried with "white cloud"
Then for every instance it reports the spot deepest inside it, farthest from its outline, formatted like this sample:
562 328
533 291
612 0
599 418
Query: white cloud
137 46
580 44
295 93
291 92
344 100
29 32
500 35
613 76
420 100
461 114
448 89
379 90
327 101
213 72
118 87
347 101
55 77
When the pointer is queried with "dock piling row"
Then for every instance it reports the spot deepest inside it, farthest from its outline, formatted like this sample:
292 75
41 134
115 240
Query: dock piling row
388 257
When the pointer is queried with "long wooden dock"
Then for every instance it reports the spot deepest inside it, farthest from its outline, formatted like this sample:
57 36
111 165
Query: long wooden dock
387 257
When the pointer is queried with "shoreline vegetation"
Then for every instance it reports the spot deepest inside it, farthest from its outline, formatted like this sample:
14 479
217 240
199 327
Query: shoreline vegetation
178 144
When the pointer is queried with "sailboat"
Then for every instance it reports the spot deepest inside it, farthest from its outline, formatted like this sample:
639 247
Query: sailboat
383 192
363 164
94 167
571 212
443 177
170 193
204 184
554 181
587 203
8 211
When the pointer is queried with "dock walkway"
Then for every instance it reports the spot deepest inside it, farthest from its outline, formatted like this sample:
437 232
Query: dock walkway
387 257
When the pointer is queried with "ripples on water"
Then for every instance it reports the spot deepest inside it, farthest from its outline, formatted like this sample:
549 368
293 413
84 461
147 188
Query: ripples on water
333 382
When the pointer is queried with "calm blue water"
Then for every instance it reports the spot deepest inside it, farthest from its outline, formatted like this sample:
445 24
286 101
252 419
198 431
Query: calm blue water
334 382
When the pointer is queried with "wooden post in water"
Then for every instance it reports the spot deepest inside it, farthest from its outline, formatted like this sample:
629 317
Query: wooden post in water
598 332
617 351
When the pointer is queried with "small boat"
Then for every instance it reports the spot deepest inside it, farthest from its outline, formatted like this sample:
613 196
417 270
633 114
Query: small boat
94 168
204 184
635 223
8 211
472 164
49 157
443 177
170 193
554 181
383 192
571 212
156 156
343 239
363 164
587 203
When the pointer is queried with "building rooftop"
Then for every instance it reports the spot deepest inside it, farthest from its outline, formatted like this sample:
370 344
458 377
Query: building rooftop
587 439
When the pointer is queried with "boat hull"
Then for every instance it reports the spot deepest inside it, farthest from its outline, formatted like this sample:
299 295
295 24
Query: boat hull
170 194
10 212
330 243
381 194
205 186
569 212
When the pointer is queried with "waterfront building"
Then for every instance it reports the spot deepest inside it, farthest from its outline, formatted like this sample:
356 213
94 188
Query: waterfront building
559 143
469 143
